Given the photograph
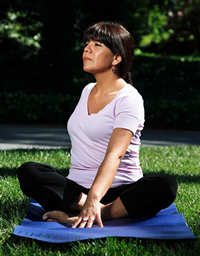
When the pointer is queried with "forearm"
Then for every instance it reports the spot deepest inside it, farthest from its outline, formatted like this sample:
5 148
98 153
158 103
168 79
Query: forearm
104 177
118 144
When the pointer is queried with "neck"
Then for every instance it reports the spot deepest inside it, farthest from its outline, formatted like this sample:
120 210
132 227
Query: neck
108 83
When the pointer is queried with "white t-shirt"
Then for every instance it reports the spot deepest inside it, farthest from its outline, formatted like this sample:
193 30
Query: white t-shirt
90 135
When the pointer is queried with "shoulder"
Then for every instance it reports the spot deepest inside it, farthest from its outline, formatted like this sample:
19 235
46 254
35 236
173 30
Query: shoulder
129 93
129 101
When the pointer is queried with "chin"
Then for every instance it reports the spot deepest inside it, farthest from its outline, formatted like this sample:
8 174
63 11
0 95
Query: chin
88 70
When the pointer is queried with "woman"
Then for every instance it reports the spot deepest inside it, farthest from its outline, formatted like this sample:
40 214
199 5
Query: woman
105 180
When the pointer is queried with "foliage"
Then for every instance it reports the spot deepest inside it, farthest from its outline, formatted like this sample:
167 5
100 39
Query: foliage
41 41
156 31
181 162
27 35
20 107
41 48
169 86
173 27
184 19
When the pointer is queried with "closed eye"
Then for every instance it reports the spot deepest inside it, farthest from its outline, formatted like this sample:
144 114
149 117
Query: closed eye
98 44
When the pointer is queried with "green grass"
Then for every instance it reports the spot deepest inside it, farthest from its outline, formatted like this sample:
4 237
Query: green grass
181 162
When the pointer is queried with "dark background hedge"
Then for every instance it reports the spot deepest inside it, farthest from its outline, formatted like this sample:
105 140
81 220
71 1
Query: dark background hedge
41 75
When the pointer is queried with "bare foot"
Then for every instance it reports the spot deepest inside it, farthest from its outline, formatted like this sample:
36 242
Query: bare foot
59 216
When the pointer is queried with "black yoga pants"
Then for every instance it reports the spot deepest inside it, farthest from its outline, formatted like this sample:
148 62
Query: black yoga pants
53 191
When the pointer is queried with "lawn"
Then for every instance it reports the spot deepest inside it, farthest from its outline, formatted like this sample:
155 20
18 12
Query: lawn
181 162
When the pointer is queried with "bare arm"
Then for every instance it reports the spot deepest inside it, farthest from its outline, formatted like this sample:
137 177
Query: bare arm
117 147
118 144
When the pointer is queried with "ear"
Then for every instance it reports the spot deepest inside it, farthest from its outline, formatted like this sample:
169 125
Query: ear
116 60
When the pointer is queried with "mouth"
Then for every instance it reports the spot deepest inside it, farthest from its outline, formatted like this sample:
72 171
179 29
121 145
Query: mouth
86 59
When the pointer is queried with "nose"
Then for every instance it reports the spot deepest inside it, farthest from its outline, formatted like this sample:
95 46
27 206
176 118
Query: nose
87 48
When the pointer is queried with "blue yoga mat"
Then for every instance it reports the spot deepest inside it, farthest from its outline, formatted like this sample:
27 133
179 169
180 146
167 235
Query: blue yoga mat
167 224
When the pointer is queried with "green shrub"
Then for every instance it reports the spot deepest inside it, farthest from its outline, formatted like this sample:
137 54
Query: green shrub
169 86
20 107
56 109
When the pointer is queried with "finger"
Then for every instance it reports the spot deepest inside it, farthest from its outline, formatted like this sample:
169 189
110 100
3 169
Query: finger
82 224
89 223
99 221
76 223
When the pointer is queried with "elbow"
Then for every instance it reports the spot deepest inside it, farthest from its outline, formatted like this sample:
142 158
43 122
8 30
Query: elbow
120 157
114 156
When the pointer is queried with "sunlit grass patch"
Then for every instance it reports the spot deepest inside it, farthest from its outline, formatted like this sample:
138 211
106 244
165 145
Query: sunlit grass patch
180 162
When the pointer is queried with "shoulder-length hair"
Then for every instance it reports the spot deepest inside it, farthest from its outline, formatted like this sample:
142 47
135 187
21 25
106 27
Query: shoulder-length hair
117 39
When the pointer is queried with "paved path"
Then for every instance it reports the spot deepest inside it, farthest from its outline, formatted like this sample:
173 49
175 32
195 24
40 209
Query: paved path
18 136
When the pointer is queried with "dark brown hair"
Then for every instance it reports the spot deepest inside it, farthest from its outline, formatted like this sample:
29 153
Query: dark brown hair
117 39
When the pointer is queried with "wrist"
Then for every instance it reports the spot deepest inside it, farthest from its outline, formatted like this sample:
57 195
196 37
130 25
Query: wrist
93 196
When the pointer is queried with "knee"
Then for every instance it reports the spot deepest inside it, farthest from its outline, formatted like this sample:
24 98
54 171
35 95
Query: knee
24 173
24 169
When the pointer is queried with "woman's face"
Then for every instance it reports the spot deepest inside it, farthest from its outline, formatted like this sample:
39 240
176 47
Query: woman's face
97 58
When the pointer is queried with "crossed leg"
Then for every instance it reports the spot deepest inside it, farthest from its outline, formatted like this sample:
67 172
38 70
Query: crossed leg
144 197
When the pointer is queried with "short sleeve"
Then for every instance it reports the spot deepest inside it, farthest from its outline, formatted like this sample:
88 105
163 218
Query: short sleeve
129 111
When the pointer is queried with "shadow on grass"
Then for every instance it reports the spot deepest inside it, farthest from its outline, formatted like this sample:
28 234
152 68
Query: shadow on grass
187 178
12 172
25 150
